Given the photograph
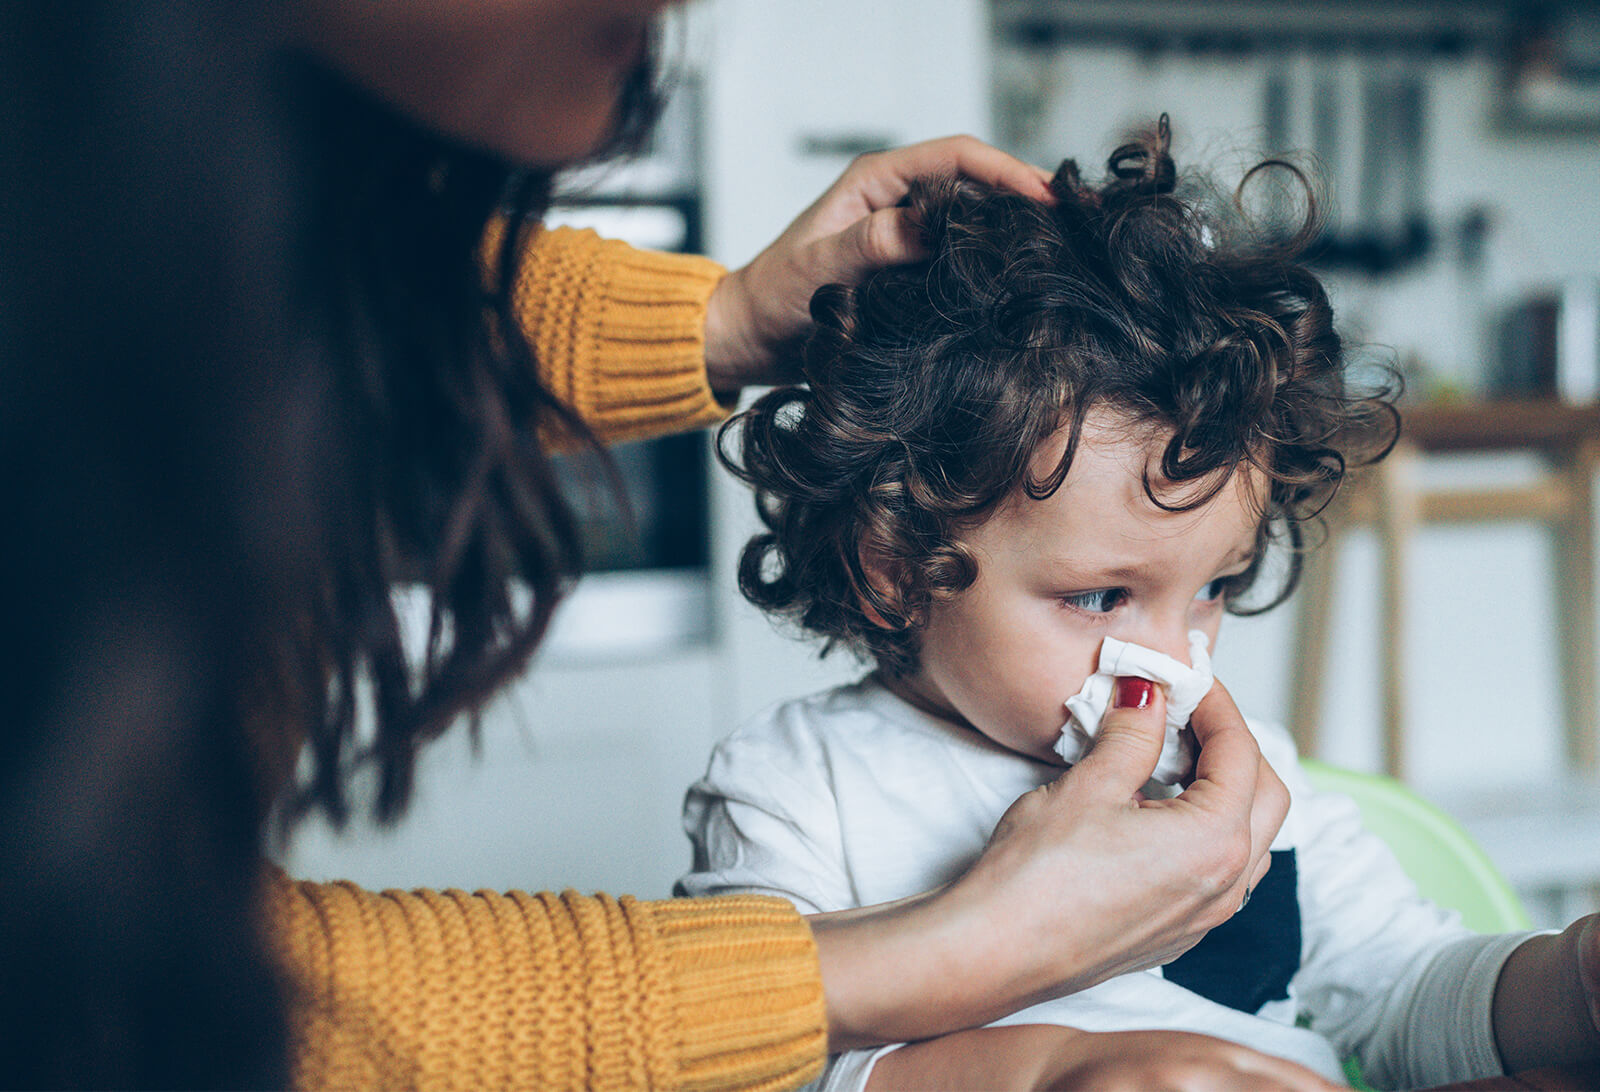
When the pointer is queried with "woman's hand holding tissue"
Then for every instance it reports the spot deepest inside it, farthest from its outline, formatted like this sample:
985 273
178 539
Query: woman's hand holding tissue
1082 880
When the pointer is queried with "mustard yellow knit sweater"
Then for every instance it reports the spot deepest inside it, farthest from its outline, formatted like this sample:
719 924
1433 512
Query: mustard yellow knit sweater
445 989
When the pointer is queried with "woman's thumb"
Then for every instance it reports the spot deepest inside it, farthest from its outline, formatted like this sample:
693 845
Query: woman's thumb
885 237
1128 743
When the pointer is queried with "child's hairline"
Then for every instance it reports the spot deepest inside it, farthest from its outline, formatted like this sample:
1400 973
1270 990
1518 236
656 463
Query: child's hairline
1105 420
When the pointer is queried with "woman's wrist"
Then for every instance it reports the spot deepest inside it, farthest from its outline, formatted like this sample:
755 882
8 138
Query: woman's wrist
888 973
924 966
733 354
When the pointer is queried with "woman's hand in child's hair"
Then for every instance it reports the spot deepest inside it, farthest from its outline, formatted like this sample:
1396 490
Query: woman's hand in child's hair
1080 881
1547 1000
1043 1056
852 229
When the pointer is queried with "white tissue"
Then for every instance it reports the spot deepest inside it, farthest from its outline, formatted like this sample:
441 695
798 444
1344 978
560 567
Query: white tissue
1185 686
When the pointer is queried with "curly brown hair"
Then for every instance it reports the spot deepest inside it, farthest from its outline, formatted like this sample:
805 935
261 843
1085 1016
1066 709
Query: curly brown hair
931 386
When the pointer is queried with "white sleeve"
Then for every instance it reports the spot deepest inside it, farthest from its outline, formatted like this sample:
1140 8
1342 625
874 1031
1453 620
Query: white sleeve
1453 992
1389 976
763 821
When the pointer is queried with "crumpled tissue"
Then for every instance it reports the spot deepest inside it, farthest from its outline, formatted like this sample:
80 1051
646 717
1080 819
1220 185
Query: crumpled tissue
1185 684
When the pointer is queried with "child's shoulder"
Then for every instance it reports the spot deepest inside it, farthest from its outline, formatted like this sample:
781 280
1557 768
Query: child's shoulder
1276 744
1278 748
838 710
1316 814
862 715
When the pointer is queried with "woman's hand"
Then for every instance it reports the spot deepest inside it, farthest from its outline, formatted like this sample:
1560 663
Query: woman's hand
1588 929
1081 881
1547 1000
1145 879
852 229
1043 1056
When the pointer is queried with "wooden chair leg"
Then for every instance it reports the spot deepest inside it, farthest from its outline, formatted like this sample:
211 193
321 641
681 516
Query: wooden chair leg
1397 518
1309 657
1575 607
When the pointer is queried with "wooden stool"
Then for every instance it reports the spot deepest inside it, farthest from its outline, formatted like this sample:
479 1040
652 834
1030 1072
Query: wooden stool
1389 498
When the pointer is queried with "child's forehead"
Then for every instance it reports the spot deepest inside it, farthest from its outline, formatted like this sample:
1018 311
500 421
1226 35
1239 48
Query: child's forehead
1117 462
1101 528
1109 440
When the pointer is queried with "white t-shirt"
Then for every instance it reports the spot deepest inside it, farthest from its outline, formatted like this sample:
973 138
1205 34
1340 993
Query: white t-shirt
852 797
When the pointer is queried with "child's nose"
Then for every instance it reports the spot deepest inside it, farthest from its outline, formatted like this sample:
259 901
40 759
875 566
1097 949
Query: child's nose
1170 640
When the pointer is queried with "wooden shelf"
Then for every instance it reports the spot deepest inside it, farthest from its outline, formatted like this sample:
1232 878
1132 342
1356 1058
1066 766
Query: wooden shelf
1497 426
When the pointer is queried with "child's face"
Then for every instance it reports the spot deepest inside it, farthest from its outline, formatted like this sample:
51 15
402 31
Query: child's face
1056 576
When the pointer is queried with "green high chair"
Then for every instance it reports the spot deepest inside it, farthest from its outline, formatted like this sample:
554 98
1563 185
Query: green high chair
1439 856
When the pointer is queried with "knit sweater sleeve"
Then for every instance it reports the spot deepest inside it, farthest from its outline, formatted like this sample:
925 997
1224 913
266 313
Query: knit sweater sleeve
619 333
444 989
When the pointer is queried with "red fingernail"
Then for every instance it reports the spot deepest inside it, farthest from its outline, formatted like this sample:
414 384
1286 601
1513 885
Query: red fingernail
1132 692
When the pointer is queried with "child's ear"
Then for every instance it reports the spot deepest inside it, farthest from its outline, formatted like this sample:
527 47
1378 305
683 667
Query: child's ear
878 593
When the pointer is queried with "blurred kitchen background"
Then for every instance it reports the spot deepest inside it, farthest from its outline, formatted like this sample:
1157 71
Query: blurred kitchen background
1459 148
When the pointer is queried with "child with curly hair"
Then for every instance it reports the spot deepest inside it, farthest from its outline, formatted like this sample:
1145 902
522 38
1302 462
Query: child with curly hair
1026 478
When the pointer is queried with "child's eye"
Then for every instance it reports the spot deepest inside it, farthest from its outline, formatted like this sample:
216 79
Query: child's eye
1103 601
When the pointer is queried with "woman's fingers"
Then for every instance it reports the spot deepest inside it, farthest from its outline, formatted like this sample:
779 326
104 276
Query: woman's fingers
852 229
879 180
1126 748
1233 808
1232 779
966 155
888 236
1140 881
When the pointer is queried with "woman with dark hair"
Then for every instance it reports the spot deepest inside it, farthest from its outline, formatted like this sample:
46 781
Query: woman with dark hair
279 329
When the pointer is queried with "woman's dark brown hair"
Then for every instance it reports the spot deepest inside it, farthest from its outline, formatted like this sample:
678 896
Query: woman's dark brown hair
434 473
930 387
253 375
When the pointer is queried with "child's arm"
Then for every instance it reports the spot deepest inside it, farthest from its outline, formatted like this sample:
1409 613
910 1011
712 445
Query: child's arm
1547 1001
1045 1056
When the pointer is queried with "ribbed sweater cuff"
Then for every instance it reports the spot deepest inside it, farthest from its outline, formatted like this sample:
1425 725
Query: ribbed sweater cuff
620 332
750 999
445 989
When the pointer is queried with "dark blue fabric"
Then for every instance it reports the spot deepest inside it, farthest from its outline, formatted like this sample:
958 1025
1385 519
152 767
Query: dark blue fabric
1249 959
